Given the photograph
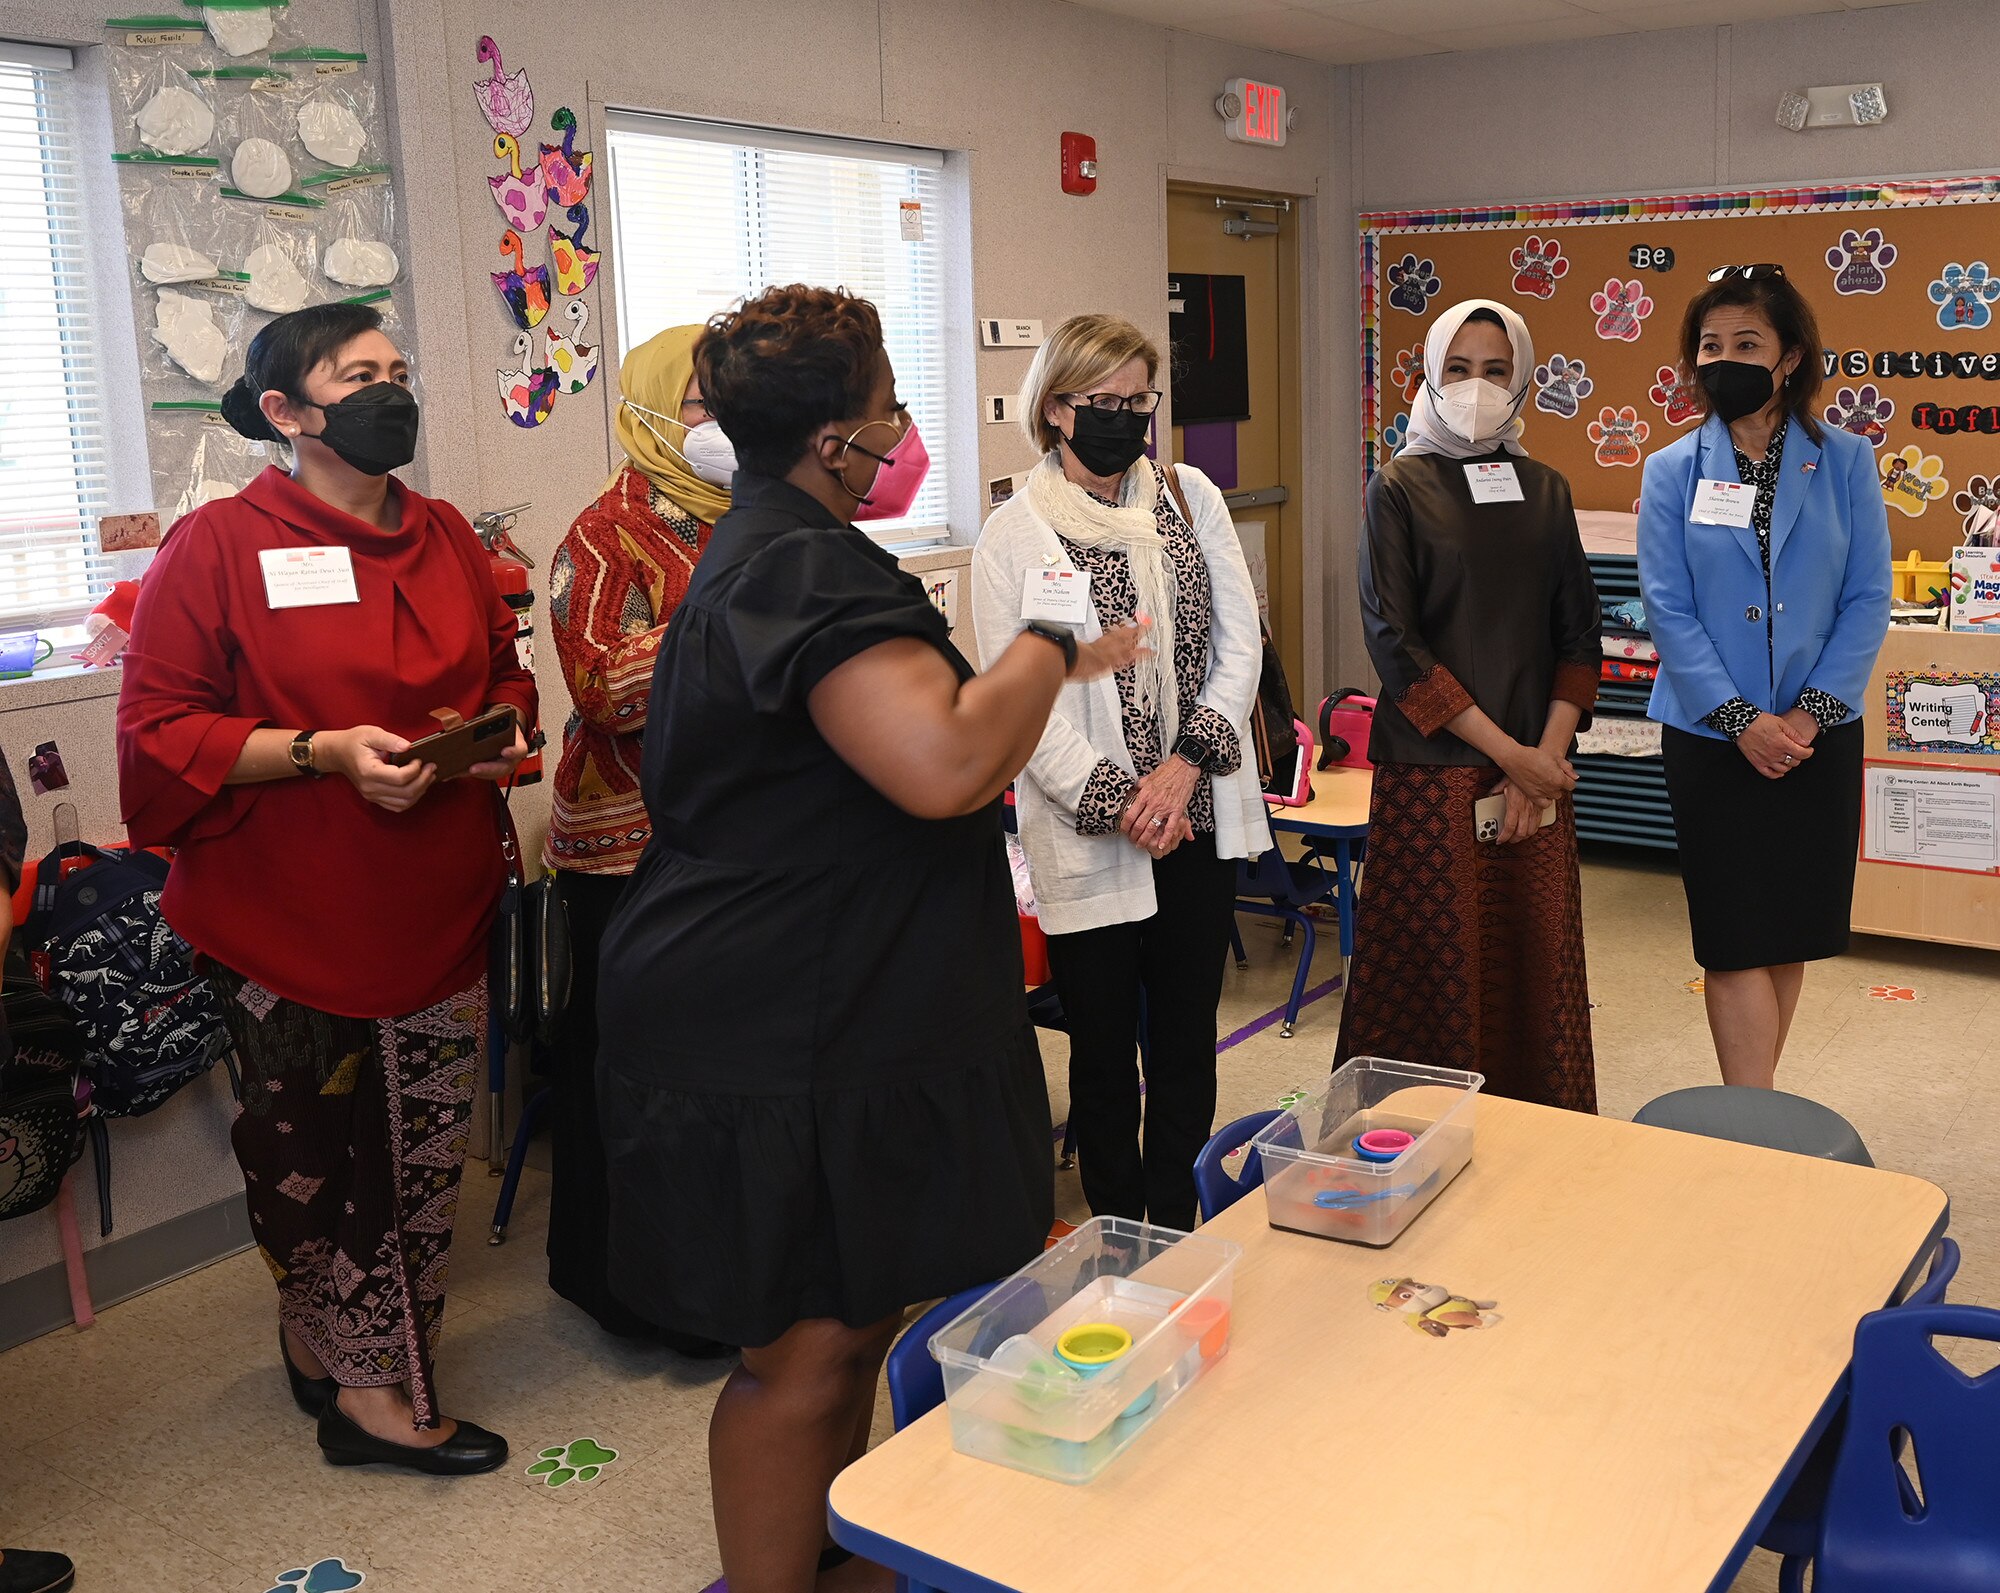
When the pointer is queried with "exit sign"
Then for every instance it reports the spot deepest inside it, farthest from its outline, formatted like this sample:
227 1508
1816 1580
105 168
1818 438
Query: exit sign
1253 112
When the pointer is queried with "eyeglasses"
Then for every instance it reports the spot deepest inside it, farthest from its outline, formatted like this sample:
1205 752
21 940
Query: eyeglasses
1749 273
1110 403
696 403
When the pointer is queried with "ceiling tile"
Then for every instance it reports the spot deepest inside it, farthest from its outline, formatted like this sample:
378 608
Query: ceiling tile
1506 35
1437 17
1189 14
1315 36
1651 15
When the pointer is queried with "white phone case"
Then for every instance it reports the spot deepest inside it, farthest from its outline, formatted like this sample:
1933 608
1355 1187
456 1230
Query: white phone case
1490 812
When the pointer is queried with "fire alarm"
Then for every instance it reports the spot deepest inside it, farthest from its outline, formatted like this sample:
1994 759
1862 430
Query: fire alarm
1079 163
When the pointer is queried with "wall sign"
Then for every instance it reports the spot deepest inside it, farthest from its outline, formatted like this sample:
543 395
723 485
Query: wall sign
1651 257
1254 112
1941 365
1943 710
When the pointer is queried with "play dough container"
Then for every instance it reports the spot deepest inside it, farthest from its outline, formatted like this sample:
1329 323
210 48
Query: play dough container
1062 1366
1361 1158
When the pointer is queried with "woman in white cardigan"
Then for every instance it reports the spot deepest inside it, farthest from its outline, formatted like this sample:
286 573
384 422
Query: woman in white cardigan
1140 798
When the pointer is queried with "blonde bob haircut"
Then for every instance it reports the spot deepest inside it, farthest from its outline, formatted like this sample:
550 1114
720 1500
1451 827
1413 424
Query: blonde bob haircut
1083 351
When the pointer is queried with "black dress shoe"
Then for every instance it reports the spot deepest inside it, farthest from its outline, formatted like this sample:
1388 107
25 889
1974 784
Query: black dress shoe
32 1571
312 1394
470 1450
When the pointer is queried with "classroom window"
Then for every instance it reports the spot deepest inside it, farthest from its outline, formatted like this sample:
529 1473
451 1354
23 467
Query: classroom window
705 214
53 464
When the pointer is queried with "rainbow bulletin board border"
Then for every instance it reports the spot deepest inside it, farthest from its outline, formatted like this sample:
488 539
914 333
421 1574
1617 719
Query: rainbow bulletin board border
1913 342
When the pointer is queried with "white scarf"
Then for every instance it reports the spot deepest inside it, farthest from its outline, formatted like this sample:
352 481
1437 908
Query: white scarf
1428 432
1133 530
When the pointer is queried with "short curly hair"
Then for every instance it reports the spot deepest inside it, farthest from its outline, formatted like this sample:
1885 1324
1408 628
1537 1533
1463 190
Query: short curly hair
780 366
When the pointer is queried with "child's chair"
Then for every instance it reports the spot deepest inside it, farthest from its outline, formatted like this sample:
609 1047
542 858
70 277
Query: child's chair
1214 1190
1886 1531
1794 1530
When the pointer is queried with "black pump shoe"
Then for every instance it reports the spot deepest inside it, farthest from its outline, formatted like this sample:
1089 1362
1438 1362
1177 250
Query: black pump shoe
312 1394
33 1571
467 1452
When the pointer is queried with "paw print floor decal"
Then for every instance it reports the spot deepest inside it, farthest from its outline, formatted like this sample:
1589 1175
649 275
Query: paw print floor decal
580 1460
324 1576
1863 411
1413 283
1561 386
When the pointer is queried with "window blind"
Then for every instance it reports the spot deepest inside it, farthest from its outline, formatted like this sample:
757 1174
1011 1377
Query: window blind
53 466
705 214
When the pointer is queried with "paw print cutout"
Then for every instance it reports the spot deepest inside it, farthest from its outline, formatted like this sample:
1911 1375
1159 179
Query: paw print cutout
1859 260
1621 310
1561 386
325 1576
1979 503
580 1460
1891 993
1675 396
1395 434
1911 479
1413 283
1408 372
1964 295
1538 266
1618 434
1863 411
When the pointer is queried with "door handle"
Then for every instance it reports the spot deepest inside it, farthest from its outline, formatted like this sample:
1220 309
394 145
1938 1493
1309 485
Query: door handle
1258 498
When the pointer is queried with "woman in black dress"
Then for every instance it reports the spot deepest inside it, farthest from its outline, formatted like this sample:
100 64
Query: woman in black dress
822 1101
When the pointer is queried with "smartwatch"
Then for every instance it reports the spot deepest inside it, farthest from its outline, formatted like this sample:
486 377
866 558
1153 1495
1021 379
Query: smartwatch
302 754
1065 639
1192 749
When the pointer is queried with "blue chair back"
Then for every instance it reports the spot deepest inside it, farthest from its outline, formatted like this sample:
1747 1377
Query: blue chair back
916 1381
1214 1190
1944 1267
1880 1535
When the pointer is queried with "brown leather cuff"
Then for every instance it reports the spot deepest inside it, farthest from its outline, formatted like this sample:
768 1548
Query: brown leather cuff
1433 700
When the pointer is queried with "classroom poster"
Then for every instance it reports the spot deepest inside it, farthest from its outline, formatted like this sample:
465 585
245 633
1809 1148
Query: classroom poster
1904 279
1943 710
1929 816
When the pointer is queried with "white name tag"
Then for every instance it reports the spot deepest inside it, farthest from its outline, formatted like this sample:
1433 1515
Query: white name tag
307 577
1494 483
1723 503
1057 594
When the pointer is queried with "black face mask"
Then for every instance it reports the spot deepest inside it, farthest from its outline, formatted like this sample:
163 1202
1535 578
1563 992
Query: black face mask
1736 388
374 428
1106 443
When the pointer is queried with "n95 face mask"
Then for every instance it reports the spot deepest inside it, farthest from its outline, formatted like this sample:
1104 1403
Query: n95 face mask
1475 408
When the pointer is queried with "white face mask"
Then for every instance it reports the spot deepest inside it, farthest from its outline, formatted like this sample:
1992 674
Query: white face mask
1475 408
704 449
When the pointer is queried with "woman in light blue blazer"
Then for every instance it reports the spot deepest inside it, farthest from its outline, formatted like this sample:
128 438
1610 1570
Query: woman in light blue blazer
1764 556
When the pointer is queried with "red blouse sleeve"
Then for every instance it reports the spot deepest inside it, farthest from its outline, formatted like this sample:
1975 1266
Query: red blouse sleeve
177 736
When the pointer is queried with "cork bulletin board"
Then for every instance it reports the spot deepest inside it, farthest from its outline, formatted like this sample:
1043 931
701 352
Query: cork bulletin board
1904 277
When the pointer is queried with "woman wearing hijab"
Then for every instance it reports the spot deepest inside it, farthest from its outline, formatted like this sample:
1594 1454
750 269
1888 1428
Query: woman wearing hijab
1138 800
1482 622
289 645
615 582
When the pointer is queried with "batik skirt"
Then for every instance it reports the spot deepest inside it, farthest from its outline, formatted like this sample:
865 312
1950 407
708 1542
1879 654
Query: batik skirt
1468 954
351 1136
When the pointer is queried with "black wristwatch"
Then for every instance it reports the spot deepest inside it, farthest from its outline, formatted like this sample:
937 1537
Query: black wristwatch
1192 749
302 754
1065 639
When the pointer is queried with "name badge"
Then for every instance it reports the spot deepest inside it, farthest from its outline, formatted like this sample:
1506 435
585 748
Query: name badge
1723 503
1494 483
1056 594
307 577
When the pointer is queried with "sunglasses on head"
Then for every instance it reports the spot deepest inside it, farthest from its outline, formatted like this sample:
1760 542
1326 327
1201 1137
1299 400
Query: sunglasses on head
1749 273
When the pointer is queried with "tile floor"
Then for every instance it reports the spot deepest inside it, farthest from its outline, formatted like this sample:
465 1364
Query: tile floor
161 1450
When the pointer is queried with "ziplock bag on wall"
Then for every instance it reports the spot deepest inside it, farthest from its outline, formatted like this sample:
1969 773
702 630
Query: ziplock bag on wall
254 126
173 228
165 108
196 335
337 118
241 27
358 233
281 264
200 454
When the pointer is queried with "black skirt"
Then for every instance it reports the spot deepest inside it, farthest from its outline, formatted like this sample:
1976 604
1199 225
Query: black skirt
1768 864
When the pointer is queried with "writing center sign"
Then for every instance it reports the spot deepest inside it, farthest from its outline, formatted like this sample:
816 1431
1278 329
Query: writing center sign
1947 710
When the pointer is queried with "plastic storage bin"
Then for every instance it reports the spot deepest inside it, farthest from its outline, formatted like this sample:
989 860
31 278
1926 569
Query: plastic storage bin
1316 1181
1011 1396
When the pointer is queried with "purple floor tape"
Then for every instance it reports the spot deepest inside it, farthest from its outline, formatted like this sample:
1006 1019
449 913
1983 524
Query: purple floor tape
1276 1014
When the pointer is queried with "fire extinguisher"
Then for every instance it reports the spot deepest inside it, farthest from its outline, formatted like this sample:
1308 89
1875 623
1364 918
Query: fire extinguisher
509 567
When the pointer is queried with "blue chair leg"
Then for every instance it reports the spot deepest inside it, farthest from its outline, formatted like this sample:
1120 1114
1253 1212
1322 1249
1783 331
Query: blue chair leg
1067 1161
1236 943
1299 978
1344 870
503 1209
496 1087
1792 1573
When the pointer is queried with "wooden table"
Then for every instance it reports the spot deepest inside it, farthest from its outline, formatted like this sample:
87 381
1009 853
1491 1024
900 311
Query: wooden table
1677 1317
1333 823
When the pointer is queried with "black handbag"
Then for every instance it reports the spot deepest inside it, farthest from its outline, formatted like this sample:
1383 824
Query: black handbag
529 964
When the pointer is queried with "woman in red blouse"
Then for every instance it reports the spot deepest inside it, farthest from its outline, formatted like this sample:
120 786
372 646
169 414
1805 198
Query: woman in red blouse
289 643
615 582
